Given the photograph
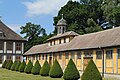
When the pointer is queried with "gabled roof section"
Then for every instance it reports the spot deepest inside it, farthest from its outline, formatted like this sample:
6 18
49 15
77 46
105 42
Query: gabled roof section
103 39
8 33
70 33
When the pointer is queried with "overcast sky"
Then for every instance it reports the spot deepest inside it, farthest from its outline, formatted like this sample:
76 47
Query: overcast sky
16 13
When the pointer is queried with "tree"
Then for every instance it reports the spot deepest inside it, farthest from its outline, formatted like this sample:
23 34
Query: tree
91 72
13 66
36 68
76 14
22 66
111 10
17 66
56 70
45 69
28 67
71 72
4 64
92 26
33 33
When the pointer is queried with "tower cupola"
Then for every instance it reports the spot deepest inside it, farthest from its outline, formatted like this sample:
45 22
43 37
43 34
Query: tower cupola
61 26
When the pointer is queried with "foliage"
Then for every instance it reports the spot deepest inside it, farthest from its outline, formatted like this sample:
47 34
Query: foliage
71 72
111 10
17 66
45 69
4 64
91 72
22 66
28 67
33 34
13 66
36 68
9 64
56 70
92 26
76 14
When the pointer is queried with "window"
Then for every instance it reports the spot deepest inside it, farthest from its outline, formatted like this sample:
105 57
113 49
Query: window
118 51
9 57
59 41
18 46
98 54
1 45
46 56
60 55
17 58
9 45
64 40
39 57
109 54
72 55
78 55
2 34
42 56
88 54
67 55
50 43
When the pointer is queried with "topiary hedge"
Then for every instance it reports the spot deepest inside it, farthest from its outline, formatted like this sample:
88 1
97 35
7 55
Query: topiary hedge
13 66
71 72
17 66
28 67
4 64
56 70
22 66
9 64
91 72
36 68
45 69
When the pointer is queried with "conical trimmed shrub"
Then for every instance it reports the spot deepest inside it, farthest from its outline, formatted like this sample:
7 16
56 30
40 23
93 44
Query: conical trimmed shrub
22 66
91 72
17 66
71 72
9 64
45 69
13 66
56 70
4 64
28 67
36 68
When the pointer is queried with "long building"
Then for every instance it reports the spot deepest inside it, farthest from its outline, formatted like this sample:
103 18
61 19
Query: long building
103 47
11 44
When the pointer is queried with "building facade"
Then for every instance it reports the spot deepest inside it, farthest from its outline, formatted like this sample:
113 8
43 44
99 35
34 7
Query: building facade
11 44
103 47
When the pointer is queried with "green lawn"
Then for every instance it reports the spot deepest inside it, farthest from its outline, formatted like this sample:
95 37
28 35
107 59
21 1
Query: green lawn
13 75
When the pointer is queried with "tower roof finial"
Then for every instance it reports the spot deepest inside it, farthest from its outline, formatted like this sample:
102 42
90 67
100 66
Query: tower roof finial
62 16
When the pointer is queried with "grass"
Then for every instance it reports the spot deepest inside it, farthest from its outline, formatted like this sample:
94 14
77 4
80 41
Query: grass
13 75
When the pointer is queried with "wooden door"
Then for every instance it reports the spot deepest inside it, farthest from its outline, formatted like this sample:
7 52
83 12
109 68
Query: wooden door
86 61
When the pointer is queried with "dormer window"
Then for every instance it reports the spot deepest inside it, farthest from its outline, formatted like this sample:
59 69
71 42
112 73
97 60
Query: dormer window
1 34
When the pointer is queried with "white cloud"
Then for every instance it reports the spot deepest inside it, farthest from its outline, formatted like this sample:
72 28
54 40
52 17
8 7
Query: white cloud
39 7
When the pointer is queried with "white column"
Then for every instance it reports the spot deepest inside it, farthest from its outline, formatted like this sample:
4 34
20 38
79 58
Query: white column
4 58
21 58
5 50
13 58
14 48
22 48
